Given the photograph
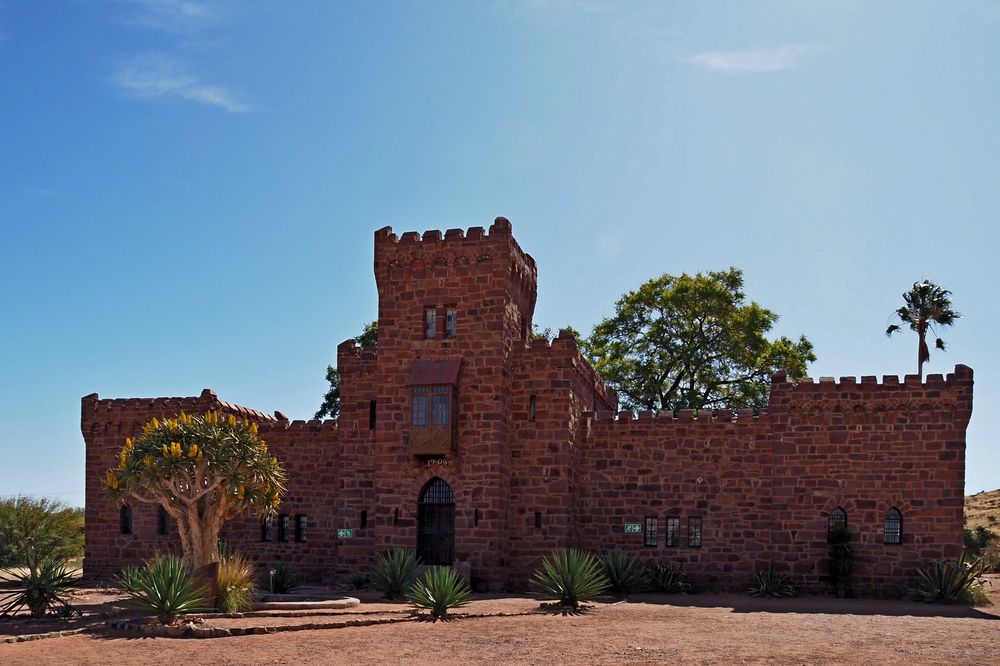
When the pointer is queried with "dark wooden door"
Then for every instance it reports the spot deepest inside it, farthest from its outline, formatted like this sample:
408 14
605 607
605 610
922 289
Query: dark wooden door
436 524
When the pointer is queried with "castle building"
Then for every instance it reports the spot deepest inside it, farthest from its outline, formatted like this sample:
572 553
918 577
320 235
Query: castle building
461 437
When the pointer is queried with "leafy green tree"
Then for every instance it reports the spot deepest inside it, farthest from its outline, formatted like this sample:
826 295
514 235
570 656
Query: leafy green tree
925 306
203 470
50 527
693 342
331 401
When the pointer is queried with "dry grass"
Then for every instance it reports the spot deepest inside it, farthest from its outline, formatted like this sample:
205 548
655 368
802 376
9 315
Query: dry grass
983 509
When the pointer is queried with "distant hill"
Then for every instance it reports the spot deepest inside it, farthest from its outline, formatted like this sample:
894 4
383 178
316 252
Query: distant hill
983 509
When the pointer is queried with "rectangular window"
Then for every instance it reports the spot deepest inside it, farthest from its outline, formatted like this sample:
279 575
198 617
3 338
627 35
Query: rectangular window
371 414
283 527
451 322
475 519
430 323
538 520
162 520
265 529
301 523
125 519
364 519
673 532
431 405
532 408
651 536
694 532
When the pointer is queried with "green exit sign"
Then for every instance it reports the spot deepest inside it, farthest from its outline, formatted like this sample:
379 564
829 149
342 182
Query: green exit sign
633 528
345 534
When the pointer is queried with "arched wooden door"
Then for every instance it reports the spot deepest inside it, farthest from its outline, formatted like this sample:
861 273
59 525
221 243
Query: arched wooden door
436 523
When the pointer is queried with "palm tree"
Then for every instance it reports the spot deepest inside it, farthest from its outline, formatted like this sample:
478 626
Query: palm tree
927 305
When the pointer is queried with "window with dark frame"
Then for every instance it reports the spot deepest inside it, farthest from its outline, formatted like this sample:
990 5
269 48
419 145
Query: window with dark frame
532 407
673 532
694 532
893 526
430 323
651 536
125 519
301 525
364 519
283 528
265 529
371 414
431 405
451 322
475 519
836 524
162 521
538 520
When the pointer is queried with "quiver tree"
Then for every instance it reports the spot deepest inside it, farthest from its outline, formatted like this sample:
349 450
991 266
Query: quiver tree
203 470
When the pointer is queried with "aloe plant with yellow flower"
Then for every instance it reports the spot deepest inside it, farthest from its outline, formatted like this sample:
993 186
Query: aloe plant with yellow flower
203 470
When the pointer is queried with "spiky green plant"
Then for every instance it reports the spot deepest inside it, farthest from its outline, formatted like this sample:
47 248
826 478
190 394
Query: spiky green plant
359 582
667 579
952 581
235 583
439 590
624 572
771 584
569 577
279 578
394 572
42 585
164 587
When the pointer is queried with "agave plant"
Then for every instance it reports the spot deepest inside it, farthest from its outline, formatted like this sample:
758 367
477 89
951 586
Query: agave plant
771 584
952 581
235 582
279 578
43 585
624 572
667 579
164 587
394 572
439 590
569 577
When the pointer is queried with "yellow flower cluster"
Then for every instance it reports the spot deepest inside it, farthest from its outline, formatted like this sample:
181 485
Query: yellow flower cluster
241 492
195 453
212 417
125 453
150 427
112 480
185 419
231 421
175 450
253 428
148 461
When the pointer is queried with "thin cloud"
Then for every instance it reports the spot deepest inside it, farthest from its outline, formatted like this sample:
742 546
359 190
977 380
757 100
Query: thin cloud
753 61
156 77
168 15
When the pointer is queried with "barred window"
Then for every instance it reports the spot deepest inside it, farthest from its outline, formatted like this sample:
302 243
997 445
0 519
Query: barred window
364 519
532 407
451 322
431 404
162 520
893 526
265 529
283 527
651 536
673 532
301 524
125 519
694 532
430 323
837 525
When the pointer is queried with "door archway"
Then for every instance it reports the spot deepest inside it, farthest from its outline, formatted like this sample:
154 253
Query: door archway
436 523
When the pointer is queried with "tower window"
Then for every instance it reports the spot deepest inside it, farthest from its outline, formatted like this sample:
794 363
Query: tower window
673 532
364 519
651 536
694 532
532 407
301 523
265 529
893 526
125 519
430 323
371 414
283 527
162 520
538 520
836 525
451 322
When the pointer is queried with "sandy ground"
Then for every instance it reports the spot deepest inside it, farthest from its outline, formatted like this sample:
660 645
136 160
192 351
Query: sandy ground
698 629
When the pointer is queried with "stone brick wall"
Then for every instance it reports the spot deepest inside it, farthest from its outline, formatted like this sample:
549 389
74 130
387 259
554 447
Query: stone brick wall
573 473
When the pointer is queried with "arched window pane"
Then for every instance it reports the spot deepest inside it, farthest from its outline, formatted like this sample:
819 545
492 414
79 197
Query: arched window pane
837 525
893 526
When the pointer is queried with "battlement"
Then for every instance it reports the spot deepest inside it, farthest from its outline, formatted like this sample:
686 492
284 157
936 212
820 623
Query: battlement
97 410
697 417
564 348
962 376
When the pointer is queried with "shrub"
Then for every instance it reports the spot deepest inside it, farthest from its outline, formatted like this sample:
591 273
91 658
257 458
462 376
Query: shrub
359 582
164 588
235 583
279 578
667 579
624 572
48 526
394 572
43 585
841 559
952 581
771 584
569 577
439 590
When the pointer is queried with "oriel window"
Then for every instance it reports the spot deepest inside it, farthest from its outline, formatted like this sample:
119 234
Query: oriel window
431 405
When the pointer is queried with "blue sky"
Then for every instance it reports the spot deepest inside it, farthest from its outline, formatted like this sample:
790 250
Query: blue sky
188 189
